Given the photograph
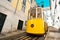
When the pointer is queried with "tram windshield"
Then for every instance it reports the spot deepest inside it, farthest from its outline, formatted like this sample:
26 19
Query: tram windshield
35 13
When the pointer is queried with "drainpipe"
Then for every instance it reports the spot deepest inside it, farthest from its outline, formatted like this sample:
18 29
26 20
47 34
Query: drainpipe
16 6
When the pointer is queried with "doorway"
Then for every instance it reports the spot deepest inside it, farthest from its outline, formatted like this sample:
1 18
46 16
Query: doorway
20 25
2 20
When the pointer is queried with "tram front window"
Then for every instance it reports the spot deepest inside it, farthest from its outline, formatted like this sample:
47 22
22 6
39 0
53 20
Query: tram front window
35 13
39 12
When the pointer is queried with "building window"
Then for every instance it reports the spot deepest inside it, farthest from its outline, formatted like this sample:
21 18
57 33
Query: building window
24 2
24 5
9 0
31 1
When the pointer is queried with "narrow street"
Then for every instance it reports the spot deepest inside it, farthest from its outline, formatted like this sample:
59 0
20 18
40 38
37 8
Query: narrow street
24 36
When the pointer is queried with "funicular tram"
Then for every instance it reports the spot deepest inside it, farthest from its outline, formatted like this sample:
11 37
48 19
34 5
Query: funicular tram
35 23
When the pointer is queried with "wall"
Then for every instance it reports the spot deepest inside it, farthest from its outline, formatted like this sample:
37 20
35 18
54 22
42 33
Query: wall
57 15
14 4
54 14
12 19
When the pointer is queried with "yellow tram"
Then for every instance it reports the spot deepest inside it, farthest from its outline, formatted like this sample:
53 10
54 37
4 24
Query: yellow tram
35 23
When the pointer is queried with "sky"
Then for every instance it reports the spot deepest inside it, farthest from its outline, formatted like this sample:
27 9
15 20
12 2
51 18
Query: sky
45 3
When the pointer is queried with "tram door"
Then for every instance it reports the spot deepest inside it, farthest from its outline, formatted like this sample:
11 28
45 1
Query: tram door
2 20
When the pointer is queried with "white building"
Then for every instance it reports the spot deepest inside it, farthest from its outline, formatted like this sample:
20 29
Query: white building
13 14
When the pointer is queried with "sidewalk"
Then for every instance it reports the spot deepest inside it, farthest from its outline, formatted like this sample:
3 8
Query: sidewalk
53 34
52 29
10 34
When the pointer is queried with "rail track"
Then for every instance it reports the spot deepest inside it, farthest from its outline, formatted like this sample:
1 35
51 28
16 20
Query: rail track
29 37
24 36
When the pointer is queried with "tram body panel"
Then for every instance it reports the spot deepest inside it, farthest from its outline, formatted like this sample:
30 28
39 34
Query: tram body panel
35 23
35 26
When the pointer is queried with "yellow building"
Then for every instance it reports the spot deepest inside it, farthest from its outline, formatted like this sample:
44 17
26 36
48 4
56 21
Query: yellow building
23 5
17 3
